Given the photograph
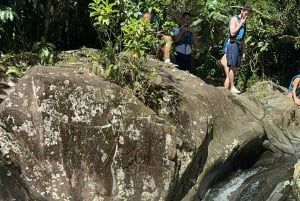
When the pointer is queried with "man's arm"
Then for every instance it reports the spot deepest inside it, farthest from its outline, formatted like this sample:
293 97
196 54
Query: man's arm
295 86
177 37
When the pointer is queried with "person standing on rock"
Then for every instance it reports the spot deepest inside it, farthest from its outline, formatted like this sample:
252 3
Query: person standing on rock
235 47
184 38
294 89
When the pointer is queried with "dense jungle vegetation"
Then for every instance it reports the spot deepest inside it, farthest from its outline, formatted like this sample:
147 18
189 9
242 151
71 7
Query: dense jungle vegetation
35 31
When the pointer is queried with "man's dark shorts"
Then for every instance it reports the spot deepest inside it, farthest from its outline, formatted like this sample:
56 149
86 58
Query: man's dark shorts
184 61
234 54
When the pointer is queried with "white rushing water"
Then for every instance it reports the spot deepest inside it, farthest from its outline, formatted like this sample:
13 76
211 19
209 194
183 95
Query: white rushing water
222 190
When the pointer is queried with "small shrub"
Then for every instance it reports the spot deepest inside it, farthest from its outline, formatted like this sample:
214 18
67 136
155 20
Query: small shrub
45 51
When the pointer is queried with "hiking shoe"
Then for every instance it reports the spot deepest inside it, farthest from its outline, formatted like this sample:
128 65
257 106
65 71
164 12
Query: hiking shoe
234 90
170 63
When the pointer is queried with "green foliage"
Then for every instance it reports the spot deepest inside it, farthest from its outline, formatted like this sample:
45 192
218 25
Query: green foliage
7 14
104 15
114 72
210 22
18 64
14 71
154 6
125 72
130 72
138 37
163 99
207 66
272 29
264 45
167 27
96 68
128 39
5 160
109 52
272 41
153 72
246 77
45 51
22 60
95 57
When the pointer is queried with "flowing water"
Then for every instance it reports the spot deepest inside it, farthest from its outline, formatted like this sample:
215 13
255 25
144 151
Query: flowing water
268 180
223 189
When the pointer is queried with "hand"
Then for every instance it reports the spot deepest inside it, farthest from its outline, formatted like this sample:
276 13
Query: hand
159 33
183 29
185 26
187 29
243 56
297 100
243 20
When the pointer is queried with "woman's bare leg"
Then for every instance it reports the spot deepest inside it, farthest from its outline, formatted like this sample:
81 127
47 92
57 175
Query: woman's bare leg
226 71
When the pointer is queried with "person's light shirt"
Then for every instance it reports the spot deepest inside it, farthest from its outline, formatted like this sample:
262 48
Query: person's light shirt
183 48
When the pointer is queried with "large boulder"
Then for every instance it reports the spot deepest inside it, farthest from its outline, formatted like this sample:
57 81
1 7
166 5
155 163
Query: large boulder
296 180
221 131
75 136
70 135
281 120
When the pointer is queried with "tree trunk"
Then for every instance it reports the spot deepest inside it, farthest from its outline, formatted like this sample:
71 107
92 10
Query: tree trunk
47 18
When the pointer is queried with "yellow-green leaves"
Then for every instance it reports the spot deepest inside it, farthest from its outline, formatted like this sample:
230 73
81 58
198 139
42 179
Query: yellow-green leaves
102 12
138 36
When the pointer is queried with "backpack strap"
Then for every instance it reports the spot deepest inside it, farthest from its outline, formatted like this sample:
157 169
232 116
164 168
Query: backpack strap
186 39
241 33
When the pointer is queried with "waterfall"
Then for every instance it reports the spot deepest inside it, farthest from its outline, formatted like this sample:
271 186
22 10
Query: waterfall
223 190
267 181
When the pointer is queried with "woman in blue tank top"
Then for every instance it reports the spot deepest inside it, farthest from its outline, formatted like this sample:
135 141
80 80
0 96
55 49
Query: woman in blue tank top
233 50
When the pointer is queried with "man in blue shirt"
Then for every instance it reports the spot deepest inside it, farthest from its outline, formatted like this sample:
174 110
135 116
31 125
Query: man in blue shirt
184 38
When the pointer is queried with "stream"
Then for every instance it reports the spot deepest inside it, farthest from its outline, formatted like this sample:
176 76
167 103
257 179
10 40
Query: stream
267 180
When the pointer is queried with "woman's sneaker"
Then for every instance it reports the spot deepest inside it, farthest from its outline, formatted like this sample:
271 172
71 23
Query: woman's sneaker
168 61
234 90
